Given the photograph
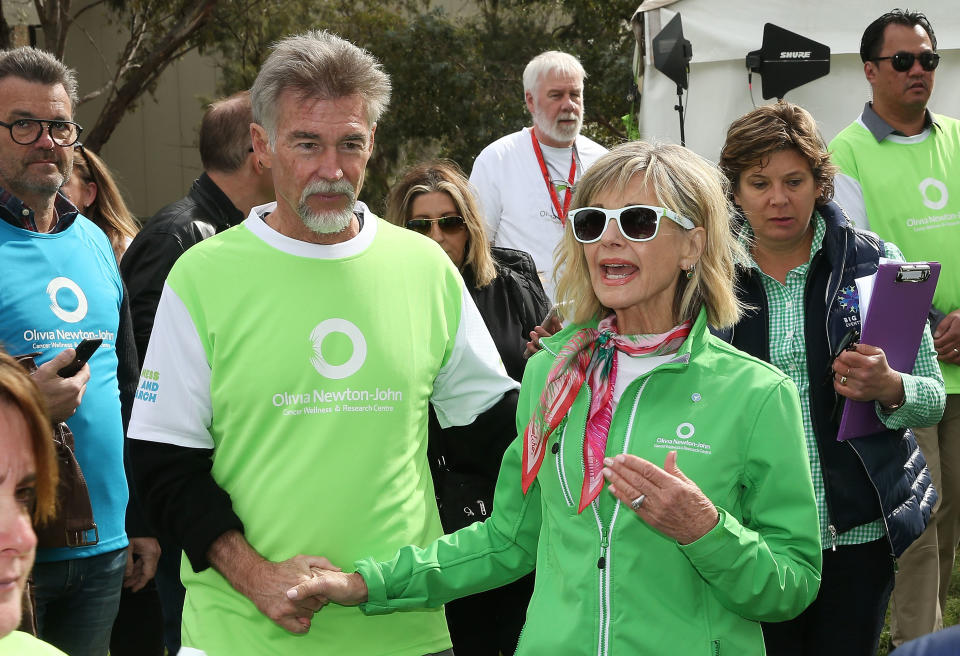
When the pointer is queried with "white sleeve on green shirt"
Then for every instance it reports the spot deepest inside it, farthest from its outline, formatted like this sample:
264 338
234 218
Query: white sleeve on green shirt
470 383
182 414
848 194
473 379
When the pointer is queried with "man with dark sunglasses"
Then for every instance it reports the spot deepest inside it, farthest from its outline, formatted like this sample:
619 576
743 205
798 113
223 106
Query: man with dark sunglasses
898 178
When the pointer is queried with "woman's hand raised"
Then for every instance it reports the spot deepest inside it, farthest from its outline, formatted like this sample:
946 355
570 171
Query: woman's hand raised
672 503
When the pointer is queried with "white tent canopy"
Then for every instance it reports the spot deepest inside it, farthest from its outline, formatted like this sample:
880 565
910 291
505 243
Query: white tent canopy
722 33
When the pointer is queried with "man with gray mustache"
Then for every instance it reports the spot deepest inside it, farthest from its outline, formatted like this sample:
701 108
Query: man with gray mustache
332 222
525 180
283 399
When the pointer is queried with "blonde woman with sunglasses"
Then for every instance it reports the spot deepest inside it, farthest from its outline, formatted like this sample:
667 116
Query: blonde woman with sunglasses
659 481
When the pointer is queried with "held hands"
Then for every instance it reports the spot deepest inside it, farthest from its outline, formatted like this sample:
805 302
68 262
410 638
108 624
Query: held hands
267 583
336 586
947 338
62 395
673 504
862 374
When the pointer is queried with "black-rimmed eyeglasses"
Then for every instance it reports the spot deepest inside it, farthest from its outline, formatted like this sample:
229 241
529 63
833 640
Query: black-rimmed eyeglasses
903 61
26 131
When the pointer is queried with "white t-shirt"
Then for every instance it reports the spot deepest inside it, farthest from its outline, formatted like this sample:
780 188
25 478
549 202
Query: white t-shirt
516 204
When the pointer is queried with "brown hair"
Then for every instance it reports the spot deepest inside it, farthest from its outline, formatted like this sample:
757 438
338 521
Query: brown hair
225 133
107 210
444 175
18 390
758 134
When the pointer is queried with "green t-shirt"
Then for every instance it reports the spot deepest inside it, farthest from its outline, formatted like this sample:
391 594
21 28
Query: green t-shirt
308 370
909 190
24 644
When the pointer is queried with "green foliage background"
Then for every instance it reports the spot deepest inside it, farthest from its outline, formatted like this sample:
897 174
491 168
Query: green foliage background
456 79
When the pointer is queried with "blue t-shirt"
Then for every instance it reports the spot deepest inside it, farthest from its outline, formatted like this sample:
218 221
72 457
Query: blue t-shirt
58 289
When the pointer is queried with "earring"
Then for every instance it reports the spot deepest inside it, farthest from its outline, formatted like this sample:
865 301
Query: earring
691 271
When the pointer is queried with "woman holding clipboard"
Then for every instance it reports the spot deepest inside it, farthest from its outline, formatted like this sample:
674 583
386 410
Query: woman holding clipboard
874 493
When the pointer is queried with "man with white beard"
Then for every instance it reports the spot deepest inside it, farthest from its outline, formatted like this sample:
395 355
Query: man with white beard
282 407
525 180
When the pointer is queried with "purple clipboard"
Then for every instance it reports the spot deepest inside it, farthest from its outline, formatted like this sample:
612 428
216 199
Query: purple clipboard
898 311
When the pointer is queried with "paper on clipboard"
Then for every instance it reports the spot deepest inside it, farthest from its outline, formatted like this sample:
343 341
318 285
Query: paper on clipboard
895 304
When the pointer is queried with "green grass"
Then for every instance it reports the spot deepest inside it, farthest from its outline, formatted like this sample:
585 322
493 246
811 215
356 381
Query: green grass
951 614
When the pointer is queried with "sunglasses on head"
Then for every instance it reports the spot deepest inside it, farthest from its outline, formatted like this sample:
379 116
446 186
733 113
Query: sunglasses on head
451 223
636 222
903 61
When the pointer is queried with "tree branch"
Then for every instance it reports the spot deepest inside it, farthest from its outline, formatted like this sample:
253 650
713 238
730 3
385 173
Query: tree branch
139 75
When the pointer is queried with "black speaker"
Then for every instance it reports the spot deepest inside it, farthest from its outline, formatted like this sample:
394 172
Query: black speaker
672 53
787 61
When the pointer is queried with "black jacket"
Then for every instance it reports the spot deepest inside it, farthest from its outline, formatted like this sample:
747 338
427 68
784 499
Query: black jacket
881 475
511 306
203 212
465 460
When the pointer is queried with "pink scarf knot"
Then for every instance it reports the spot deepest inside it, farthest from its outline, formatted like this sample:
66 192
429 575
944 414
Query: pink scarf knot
590 353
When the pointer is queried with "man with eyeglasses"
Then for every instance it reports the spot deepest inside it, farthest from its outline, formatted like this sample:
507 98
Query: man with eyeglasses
61 285
525 180
899 166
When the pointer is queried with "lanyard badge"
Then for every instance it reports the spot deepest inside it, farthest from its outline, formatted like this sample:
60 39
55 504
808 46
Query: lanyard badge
568 193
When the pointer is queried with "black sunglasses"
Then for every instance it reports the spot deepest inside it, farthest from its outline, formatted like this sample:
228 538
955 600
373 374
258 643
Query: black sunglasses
903 61
636 222
450 223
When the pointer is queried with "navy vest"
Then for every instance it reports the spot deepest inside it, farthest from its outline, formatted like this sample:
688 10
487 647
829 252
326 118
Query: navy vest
881 475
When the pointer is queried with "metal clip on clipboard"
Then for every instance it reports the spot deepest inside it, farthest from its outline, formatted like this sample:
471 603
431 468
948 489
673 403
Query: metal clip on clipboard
913 273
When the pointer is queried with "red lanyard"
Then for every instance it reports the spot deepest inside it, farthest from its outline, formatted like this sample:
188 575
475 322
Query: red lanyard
568 194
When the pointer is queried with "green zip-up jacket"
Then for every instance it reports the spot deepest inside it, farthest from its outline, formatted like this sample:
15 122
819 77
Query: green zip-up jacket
606 582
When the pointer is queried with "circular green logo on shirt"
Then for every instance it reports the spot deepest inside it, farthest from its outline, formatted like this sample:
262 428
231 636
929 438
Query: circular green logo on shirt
357 341
940 195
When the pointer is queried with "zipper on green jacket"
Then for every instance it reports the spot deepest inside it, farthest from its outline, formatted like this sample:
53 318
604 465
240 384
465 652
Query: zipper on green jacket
716 648
604 562
604 544
604 581
561 470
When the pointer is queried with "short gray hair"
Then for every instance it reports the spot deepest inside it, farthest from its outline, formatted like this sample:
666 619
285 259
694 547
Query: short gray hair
551 60
35 65
318 64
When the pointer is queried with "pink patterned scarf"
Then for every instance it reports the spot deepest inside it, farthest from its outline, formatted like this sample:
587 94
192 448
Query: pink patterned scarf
590 353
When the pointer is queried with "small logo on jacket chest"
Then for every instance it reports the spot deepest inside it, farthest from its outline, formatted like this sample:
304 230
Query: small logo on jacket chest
684 439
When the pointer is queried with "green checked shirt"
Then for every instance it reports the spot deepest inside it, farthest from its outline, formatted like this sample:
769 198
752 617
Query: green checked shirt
788 351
